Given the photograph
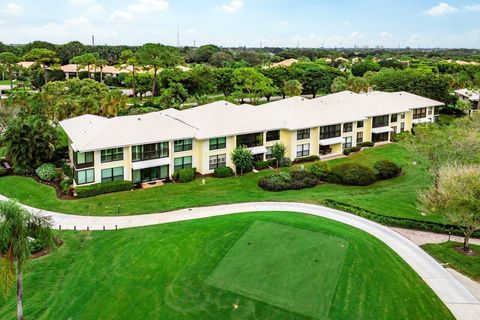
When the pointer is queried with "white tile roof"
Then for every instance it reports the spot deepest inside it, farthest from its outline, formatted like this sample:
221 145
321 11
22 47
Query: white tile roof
471 95
223 118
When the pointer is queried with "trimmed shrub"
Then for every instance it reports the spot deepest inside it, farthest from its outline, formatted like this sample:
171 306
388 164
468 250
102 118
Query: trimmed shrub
186 175
306 159
356 148
67 170
352 174
102 188
3 171
261 165
65 185
47 172
61 153
295 180
285 162
223 172
22 171
366 144
319 169
386 169
347 151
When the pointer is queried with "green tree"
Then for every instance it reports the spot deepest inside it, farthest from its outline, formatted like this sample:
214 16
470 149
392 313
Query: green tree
242 159
339 84
29 141
456 197
154 57
292 88
358 84
278 152
463 105
129 61
44 58
315 77
220 59
251 84
85 60
9 61
200 81
360 68
100 64
279 76
114 102
204 53
17 228
224 80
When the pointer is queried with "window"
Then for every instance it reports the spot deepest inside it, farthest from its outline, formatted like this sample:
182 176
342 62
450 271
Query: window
402 115
110 155
182 145
273 135
381 121
347 142
182 163
303 150
402 126
250 140
436 110
218 143
328 132
150 174
217 161
359 137
348 127
85 176
394 117
359 124
112 174
269 154
83 159
394 129
150 151
419 113
430 111
303 134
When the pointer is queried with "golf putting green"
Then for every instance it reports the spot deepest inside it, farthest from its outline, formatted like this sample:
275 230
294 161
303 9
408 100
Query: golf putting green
287 267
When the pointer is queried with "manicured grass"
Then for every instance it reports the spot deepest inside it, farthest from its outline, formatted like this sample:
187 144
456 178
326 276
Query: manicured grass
160 272
285 267
445 253
395 197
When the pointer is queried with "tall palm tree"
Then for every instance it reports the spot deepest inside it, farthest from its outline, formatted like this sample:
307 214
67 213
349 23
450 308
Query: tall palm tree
17 228
114 102
100 64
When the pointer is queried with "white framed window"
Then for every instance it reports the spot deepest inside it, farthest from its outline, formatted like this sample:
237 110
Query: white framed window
303 150
269 155
217 161
85 176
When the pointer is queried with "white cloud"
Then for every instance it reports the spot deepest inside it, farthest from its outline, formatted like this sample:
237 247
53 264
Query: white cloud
285 23
148 6
346 23
231 7
385 34
13 8
121 15
356 35
473 7
441 9
90 6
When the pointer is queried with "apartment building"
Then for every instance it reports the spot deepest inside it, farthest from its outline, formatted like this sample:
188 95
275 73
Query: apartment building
150 147
471 97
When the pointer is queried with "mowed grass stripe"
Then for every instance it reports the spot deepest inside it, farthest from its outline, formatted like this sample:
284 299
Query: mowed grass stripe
288 267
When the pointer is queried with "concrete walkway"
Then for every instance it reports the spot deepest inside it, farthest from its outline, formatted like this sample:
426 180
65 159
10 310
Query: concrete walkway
463 304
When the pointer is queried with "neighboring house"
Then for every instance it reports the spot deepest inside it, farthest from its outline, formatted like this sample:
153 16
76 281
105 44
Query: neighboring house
150 147
470 96
284 63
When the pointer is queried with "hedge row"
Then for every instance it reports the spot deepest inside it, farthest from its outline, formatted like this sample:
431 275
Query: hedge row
406 223
102 188
306 159
223 172
293 180
261 165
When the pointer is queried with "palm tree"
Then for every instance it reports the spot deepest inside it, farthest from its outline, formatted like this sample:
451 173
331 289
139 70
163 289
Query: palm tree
100 64
114 102
17 228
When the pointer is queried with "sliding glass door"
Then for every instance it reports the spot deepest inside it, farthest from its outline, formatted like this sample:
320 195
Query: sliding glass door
150 174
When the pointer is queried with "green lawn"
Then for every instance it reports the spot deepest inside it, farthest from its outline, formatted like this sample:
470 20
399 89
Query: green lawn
395 197
164 271
445 253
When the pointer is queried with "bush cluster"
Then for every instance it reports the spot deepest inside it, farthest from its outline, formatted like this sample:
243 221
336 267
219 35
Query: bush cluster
386 169
352 174
184 175
306 159
104 187
366 144
320 170
285 162
223 172
347 151
47 172
3 171
67 170
261 165
294 180
65 185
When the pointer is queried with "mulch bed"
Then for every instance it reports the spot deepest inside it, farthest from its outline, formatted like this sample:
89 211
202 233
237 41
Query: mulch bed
470 253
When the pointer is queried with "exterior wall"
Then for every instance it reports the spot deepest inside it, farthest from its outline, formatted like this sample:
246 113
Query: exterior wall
205 151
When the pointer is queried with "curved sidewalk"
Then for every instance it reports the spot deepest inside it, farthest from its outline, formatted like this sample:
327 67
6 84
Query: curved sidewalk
456 297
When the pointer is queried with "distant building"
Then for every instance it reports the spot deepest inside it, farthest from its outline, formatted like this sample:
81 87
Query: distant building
471 96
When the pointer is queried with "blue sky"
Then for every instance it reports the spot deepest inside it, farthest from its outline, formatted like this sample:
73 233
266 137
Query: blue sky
388 23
